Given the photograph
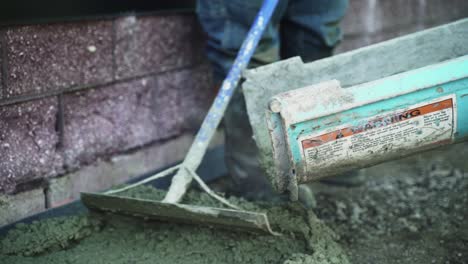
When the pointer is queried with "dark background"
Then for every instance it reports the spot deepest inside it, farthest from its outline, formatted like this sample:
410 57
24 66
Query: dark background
44 11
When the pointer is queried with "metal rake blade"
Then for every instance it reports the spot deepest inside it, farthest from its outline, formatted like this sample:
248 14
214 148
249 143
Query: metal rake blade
180 213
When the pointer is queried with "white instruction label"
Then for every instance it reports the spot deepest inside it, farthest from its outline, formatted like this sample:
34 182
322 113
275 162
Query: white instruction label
398 131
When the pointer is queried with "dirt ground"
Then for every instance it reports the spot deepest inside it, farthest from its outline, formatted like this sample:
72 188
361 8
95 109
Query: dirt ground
413 210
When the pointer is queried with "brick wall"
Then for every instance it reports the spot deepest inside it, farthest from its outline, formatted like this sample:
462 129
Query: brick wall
72 94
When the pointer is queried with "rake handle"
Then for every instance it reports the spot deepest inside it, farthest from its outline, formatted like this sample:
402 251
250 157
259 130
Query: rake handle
182 179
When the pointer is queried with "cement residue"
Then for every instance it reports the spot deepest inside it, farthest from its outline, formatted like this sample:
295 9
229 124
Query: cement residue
305 239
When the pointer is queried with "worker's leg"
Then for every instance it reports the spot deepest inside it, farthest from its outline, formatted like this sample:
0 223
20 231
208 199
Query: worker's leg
226 24
310 28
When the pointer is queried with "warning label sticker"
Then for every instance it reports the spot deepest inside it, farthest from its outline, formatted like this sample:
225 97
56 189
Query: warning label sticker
396 131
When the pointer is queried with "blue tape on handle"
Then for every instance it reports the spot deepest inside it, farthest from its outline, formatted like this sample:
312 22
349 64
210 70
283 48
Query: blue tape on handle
215 114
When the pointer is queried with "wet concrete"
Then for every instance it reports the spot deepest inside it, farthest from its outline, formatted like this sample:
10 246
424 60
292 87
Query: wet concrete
118 239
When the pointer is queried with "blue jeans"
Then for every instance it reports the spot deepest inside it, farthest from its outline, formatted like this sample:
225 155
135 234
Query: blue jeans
306 28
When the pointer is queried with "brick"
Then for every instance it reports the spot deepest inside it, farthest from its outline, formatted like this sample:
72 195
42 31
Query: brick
119 169
197 95
102 121
165 104
28 143
44 58
21 205
121 116
155 44
1 64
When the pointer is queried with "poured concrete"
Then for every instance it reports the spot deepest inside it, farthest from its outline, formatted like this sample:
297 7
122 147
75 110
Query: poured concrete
114 239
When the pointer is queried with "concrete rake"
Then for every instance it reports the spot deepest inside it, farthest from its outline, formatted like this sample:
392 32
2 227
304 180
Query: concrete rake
170 208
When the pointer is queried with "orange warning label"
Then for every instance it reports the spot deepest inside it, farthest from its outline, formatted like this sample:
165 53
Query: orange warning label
378 122
378 135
